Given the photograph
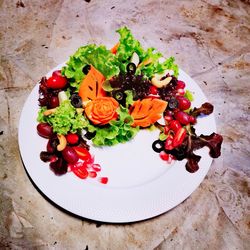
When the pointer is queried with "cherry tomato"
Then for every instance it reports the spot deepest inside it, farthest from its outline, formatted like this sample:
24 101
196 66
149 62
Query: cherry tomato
179 137
72 138
174 125
56 81
82 153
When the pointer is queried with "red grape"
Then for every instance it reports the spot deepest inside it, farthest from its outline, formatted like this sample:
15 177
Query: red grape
184 103
70 155
182 117
44 130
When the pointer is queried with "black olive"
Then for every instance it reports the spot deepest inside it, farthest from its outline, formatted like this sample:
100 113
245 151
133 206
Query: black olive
90 135
172 103
158 146
76 100
118 96
85 69
131 68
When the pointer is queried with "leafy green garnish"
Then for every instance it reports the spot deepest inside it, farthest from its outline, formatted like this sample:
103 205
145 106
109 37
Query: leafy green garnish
98 56
128 45
64 120
118 131
188 94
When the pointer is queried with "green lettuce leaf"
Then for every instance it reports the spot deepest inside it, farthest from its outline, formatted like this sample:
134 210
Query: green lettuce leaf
128 45
64 120
98 56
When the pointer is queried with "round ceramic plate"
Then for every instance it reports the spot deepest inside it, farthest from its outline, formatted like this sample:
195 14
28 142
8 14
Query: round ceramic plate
140 186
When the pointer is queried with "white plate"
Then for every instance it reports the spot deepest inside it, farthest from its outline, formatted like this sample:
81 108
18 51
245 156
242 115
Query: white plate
140 185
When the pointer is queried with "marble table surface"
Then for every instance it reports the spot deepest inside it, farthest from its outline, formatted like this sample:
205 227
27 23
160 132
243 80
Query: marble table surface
210 41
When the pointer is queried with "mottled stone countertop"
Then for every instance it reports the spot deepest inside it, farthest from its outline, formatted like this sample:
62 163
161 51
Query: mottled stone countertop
210 41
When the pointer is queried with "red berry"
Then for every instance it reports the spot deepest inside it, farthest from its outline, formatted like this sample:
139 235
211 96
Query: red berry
181 91
96 167
180 85
192 119
56 81
53 102
164 156
169 112
182 117
168 118
72 138
153 90
57 73
82 173
183 103
103 180
44 130
92 174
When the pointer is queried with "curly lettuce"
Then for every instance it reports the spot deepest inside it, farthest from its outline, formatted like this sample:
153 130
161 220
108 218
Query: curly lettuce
65 119
128 45
98 56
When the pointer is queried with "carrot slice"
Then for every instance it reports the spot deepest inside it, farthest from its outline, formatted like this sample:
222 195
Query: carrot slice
115 48
91 86
147 111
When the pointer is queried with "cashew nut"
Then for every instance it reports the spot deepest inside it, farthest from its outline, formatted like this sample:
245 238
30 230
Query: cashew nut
157 82
49 112
62 142
145 62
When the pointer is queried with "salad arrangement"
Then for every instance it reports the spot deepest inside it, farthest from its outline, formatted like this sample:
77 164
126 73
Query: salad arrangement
107 96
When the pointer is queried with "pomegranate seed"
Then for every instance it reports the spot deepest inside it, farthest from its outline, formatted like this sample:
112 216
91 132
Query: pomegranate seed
103 180
164 156
96 167
171 159
92 174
